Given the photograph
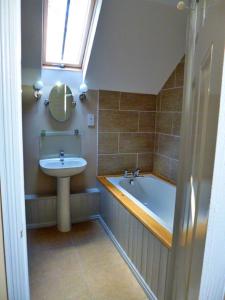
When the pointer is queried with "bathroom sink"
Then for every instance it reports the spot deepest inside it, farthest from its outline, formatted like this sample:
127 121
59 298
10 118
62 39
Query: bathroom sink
63 168
67 167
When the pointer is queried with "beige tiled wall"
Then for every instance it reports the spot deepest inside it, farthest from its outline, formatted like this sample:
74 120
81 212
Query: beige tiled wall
138 130
168 119
126 133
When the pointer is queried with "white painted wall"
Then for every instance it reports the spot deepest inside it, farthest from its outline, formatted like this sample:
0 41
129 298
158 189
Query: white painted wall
137 45
32 27
31 30
36 116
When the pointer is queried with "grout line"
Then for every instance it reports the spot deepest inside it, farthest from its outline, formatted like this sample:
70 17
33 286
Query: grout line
175 76
121 153
174 159
172 121
149 152
120 100
170 168
173 88
168 134
165 156
128 132
108 109
139 115
169 112
160 102
130 110
172 127
137 110
156 149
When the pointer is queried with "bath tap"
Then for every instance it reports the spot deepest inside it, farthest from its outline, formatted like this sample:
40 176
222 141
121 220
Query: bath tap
128 174
136 173
61 156
132 174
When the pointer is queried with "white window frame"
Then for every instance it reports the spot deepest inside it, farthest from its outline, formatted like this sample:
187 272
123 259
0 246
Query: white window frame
58 65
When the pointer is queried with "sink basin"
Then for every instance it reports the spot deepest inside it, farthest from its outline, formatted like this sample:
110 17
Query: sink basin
70 166
63 169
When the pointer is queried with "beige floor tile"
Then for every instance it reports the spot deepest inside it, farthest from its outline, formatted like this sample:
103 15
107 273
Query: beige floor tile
87 232
54 263
97 254
48 238
60 288
80 265
114 282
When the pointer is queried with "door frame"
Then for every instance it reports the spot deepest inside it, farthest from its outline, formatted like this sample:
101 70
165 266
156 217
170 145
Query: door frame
11 152
3 286
212 280
11 166
213 271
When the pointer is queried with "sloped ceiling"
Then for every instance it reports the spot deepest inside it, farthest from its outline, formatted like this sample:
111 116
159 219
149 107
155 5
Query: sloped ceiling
137 45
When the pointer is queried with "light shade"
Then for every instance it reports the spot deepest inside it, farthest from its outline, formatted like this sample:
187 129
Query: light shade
83 88
38 85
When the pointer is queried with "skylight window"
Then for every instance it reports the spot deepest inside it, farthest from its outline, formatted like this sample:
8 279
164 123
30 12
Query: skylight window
67 24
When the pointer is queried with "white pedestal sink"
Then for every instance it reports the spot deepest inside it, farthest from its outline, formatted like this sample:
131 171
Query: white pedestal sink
63 169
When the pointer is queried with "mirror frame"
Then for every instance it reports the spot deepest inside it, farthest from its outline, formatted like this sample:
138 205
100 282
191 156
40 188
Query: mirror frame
53 98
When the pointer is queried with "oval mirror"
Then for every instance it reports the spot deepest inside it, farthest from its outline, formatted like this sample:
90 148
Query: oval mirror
61 102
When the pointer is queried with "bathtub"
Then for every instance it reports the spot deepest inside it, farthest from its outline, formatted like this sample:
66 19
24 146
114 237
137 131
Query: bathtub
152 194
138 216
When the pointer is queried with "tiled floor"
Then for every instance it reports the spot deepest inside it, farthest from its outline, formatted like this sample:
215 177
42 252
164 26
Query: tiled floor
80 265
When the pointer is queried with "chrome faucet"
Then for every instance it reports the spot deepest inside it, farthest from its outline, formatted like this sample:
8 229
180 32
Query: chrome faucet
132 174
61 156
128 174
136 173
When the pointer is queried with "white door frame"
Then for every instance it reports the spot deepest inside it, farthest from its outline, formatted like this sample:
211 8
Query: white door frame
213 272
212 278
11 165
11 151
3 285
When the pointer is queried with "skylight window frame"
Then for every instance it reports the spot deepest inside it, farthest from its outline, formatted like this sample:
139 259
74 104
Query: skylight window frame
57 65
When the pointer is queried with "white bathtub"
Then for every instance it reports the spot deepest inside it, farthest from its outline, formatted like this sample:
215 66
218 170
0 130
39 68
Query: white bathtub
155 196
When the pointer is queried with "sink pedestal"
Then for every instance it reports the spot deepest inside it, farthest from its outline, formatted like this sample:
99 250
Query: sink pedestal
63 204
63 169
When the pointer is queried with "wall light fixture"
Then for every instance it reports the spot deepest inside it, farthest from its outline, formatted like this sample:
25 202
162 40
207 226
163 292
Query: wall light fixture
37 87
83 91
